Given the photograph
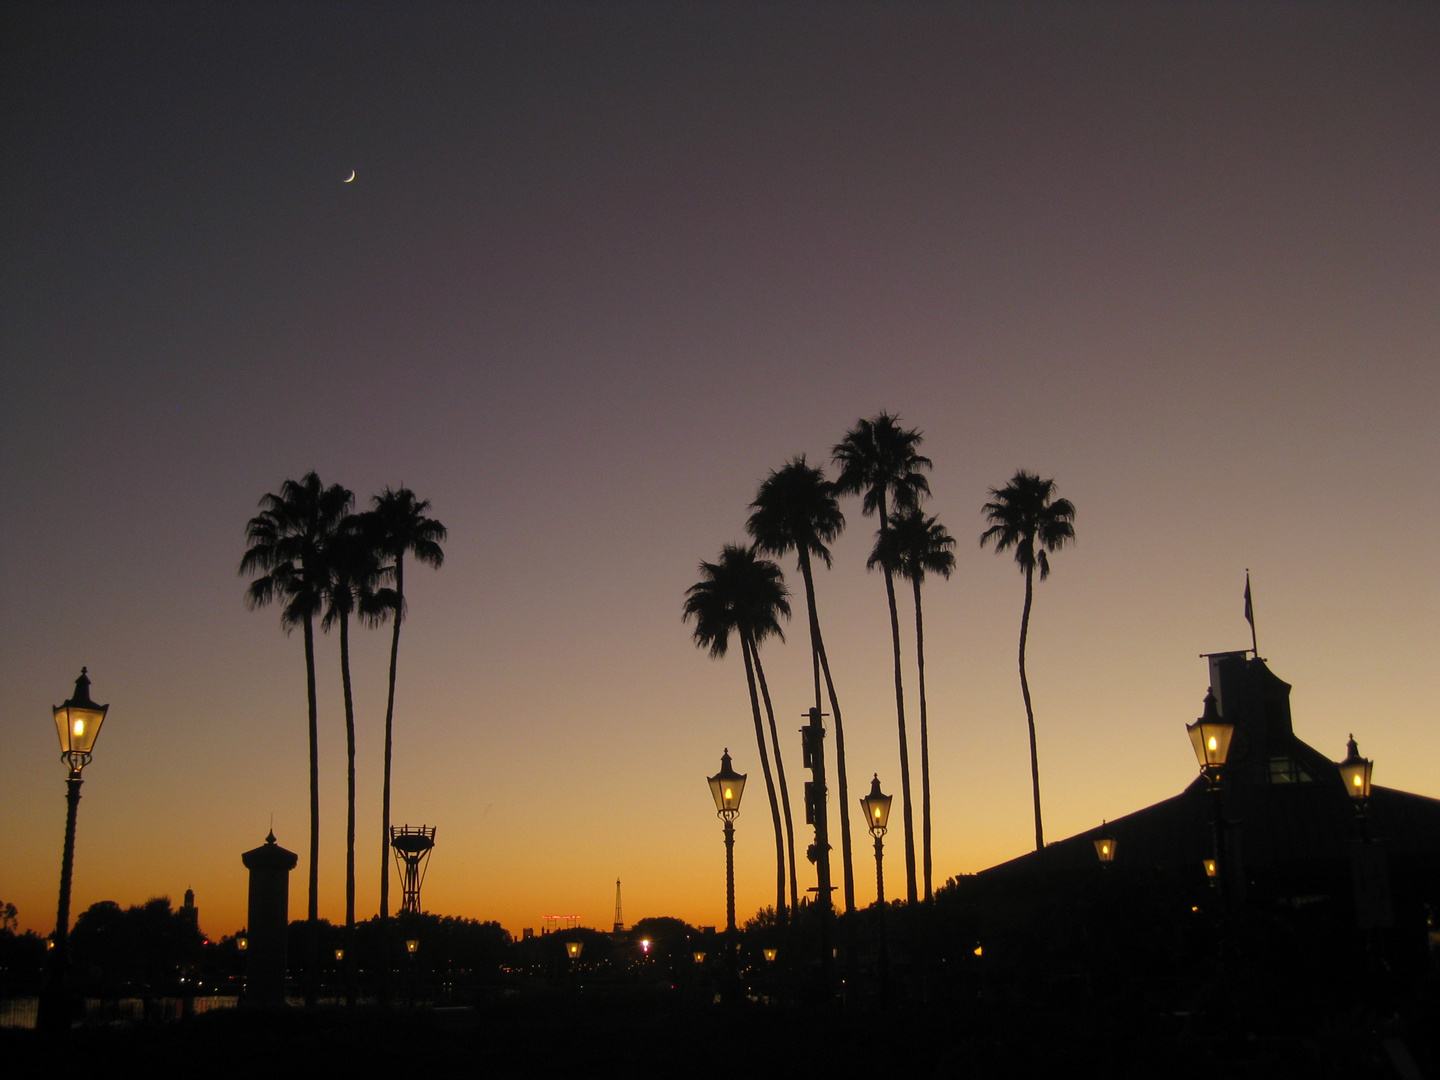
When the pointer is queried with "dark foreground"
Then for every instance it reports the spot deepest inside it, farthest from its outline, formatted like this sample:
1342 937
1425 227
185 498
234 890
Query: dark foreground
559 1036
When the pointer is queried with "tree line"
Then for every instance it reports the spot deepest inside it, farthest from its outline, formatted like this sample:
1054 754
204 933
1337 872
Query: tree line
797 511
321 561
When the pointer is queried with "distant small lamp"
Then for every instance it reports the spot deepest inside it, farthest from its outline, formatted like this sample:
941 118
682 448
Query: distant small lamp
339 955
1211 870
727 786
1210 735
877 815
242 943
645 946
412 945
699 955
770 955
1355 771
573 949
1105 845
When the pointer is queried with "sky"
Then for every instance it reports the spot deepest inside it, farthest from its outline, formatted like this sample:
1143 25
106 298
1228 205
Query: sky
601 268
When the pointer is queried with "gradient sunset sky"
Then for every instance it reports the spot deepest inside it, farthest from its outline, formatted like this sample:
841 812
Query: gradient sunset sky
602 267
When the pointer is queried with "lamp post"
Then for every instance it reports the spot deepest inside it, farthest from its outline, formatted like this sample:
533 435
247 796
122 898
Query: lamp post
727 786
77 722
1210 737
876 807
877 815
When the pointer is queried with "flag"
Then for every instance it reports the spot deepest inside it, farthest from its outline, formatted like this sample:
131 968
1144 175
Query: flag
1249 611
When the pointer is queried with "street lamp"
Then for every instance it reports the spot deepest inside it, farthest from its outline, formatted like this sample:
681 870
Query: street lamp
77 722
877 815
1105 845
1210 737
573 949
727 786
1355 771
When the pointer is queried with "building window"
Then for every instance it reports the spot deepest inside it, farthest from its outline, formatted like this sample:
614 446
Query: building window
1284 770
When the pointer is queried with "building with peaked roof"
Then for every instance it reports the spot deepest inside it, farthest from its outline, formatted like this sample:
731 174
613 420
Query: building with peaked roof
1291 834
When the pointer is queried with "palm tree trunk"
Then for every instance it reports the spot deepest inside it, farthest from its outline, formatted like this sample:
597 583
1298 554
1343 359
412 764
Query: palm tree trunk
312 914
924 747
747 648
389 720
780 774
1029 712
818 644
350 799
909 811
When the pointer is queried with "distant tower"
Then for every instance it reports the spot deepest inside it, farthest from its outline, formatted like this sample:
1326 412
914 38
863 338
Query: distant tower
412 844
619 922
190 911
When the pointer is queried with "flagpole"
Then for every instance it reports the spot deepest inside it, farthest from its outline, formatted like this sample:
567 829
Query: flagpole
1250 615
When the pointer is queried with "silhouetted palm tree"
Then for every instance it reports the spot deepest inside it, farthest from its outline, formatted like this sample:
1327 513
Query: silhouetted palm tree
913 546
287 544
878 458
795 510
1024 516
352 575
397 526
780 775
744 595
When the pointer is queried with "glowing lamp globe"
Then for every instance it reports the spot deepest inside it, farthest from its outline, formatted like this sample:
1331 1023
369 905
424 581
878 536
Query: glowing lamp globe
1105 845
1211 869
1211 735
877 808
412 945
770 955
727 786
77 722
699 956
573 949
1355 771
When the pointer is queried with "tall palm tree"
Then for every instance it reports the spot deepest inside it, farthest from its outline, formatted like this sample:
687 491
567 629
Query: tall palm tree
795 510
352 572
745 595
1024 516
398 526
913 546
287 544
878 458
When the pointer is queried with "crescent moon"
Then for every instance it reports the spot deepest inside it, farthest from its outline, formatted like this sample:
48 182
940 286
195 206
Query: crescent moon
349 178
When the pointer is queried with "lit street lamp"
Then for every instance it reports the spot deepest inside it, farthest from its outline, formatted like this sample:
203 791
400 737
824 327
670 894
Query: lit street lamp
1210 736
876 806
1355 771
727 786
877 815
1105 845
77 722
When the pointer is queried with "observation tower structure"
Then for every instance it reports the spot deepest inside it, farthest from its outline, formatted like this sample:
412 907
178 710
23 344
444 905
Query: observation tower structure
412 845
